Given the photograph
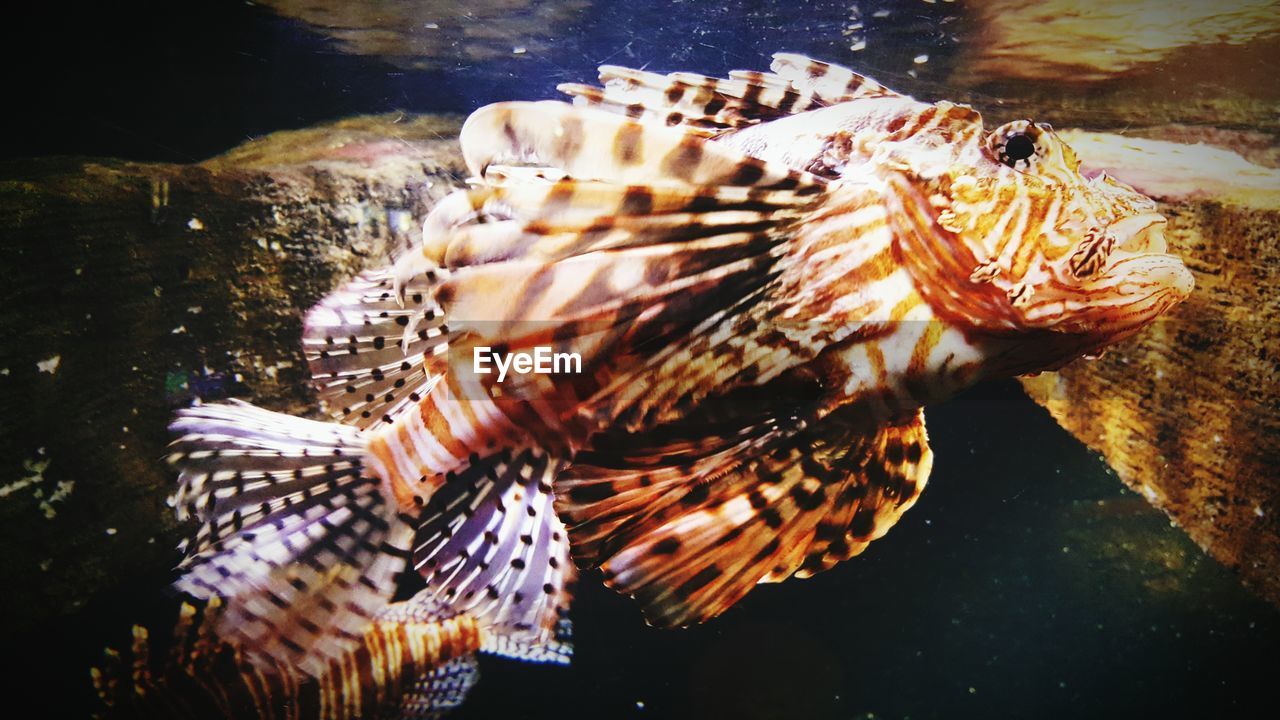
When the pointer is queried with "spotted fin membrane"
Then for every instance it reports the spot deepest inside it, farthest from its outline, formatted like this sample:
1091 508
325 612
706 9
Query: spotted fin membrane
688 531
295 532
491 545
707 106
368 353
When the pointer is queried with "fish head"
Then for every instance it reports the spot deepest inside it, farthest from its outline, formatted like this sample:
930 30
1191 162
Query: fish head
1006 235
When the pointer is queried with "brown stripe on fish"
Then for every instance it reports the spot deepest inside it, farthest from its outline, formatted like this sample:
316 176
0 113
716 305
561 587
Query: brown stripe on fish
1028 244
896 124
569 138
1002 239
875 268
590 94
627 144
875 357
559 198
919 371
638 200
752 94
434 418
681 162
904 306
964 122
913 124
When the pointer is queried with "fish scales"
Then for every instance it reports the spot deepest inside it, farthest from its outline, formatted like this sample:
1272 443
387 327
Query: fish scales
766 277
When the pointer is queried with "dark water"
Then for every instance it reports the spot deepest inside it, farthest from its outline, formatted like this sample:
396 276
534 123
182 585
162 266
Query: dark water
186 81
1026 583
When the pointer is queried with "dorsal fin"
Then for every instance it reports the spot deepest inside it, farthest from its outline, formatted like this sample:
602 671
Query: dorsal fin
704 105
827 83
689 537
708 106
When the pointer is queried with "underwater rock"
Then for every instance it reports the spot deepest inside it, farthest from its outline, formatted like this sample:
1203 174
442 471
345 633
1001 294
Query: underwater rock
1104 63
130 289
1185 412
1084 41
1177 171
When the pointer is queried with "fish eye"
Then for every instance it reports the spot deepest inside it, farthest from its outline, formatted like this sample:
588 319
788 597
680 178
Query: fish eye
1016 144
1019 147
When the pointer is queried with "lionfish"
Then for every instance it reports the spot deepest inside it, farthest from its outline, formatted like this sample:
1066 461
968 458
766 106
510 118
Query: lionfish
415 660
765 277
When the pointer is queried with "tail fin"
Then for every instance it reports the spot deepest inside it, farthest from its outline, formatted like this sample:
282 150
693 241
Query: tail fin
297 533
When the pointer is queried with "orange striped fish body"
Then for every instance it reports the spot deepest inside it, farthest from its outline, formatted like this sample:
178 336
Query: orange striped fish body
766 277
412 662
935 253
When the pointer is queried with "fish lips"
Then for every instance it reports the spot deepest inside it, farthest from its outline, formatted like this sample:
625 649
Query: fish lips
1132 291
1140 273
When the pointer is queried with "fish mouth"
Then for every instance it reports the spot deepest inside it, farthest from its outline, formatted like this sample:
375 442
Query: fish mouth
1140 234
1138 287
1139 282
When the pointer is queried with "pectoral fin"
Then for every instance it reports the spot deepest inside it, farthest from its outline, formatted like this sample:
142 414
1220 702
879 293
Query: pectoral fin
690 539
367 353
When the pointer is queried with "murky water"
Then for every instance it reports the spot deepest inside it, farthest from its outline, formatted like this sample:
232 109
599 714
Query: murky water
1027 582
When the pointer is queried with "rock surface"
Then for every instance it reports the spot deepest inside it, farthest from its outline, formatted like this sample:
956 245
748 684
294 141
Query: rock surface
130 289
1123 64
1090 41
419 35
1186 412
